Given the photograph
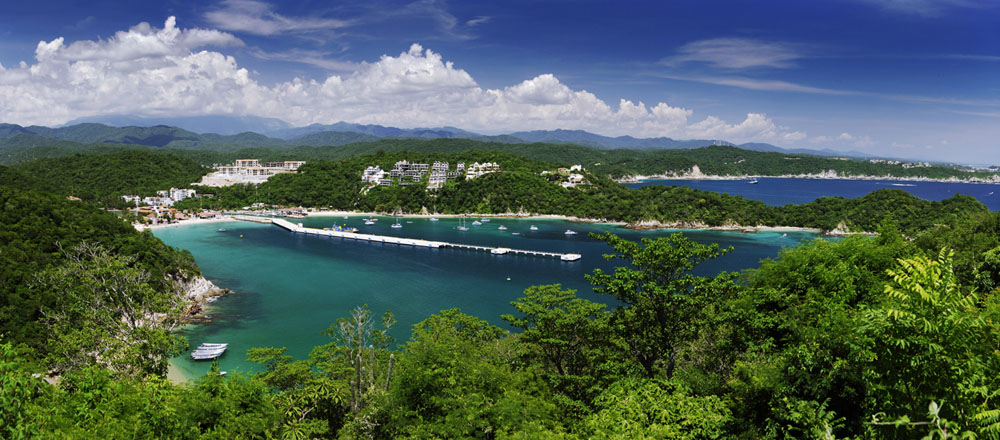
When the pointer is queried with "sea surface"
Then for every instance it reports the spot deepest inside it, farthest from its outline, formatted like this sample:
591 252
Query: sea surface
776 191
291 287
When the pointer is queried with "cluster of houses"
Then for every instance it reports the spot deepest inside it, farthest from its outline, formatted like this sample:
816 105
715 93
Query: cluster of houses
248 171
569 177
407 173
901 163
163 198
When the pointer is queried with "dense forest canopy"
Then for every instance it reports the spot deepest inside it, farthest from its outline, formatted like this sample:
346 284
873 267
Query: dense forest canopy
105 177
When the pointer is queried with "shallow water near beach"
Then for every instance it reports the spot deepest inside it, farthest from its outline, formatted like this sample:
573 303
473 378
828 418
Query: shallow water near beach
291 287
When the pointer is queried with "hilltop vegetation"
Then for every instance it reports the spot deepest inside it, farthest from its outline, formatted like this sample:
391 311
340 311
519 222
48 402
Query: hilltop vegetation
21 144
39 233
521 188
104 177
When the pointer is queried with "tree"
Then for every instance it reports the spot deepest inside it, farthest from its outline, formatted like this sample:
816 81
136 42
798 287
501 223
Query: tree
108 314
661 299
570 337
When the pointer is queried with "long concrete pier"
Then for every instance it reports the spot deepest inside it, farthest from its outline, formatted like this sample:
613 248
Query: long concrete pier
298 228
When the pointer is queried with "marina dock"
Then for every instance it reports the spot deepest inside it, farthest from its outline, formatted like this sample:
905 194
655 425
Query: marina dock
416 242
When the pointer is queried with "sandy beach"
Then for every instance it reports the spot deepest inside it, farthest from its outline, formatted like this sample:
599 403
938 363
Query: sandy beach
193 221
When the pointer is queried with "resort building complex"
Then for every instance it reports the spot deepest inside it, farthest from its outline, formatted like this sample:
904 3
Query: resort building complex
406 173
248 171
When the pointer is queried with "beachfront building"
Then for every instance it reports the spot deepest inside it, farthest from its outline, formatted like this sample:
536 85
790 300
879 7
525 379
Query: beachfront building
178 194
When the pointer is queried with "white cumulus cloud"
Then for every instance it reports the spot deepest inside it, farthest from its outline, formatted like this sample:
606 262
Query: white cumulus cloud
164 72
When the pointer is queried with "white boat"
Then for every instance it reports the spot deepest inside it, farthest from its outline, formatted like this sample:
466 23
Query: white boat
515 233
484 220
476 223
502 228
209 351
462 227
222 229
533 228
369 222
753 181
570 232
212 344
433 219
397 225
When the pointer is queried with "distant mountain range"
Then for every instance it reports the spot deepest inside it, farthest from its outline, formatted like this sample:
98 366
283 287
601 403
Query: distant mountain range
233 132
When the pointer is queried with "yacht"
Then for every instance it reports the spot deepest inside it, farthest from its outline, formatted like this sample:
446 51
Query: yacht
433 219
753 181
533 228
462 227
570 232
502 228
397 225
369 222
476 223
484 220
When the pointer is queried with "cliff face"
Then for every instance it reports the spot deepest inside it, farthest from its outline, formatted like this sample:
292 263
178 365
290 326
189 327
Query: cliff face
197 289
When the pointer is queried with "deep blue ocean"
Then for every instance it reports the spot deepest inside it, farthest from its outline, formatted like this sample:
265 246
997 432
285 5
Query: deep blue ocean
782 191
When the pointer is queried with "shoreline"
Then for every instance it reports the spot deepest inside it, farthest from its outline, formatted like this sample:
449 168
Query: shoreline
641 225
819 176
194 221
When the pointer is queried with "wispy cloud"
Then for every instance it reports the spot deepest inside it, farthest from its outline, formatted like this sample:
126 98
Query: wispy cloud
785 86
316 58
923 8
259 18
737 53
759 84
478 20
972 57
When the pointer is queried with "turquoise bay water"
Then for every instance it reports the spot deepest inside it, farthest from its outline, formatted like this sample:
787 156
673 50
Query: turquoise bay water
781 191
291 287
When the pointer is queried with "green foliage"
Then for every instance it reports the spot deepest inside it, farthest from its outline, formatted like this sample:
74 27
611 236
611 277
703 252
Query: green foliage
654 409
662 300
37 226
106 177
932 342
457 381
571 340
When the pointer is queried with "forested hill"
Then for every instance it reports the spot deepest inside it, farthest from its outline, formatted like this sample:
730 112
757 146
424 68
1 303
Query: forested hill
105 176
713 160
36 232
521 187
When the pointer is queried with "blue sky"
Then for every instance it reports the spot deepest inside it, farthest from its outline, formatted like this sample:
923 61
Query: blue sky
910 78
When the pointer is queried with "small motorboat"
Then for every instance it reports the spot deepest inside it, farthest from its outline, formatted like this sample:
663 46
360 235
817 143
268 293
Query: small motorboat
515 233
570 232
222 229
484 220
476 223
369 222
533 228
433 219
502 228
